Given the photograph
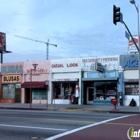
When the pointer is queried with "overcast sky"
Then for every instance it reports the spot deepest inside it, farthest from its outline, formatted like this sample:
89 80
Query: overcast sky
80 28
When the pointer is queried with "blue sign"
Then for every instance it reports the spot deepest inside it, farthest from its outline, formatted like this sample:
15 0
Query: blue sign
127 35
132 63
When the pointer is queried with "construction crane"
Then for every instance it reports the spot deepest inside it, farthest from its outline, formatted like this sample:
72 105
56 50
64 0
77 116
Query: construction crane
47 43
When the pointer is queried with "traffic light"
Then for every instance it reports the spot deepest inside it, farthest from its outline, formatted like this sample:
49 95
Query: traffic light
116 14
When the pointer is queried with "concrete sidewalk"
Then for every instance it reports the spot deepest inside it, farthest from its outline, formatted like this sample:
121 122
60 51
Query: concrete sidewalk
71 107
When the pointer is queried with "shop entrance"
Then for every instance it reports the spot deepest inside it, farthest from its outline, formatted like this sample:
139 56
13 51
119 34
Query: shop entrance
27 95
90 95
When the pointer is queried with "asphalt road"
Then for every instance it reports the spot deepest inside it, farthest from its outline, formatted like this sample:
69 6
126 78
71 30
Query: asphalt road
39 125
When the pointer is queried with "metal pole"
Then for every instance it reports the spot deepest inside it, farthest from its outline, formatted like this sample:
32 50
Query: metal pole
139 53
47 50
31 89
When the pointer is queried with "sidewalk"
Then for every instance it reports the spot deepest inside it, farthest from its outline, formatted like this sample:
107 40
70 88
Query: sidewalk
71 107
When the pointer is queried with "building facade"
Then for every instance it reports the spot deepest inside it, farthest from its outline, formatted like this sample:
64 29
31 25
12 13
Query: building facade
129 64
11 79
35 84
54 82
65 75
100 80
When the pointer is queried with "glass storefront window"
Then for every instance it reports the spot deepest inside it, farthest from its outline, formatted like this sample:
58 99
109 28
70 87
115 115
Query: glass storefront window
105 90
39 94
63 90
8 91
131 89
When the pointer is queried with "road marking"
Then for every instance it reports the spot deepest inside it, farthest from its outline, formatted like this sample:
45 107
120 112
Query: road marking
84 127
124 124
30 127
50 119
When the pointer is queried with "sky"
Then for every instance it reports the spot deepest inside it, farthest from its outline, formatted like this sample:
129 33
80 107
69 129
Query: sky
79 28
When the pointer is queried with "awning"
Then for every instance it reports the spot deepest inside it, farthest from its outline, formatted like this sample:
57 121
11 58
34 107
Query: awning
34 84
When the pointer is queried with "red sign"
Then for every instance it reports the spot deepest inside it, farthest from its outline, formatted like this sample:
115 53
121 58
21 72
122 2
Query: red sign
132 43
2 41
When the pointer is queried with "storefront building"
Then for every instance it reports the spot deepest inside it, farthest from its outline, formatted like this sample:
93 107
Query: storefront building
129 64
101 80
65 75
35 86
11 79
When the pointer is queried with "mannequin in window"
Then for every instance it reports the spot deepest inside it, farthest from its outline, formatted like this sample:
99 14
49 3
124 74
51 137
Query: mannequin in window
62 92
70 89
66 92
76 93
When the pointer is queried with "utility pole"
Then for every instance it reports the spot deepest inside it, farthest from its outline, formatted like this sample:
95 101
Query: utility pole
47 43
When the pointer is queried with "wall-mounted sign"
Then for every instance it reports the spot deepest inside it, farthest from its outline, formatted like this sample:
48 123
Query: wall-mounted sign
11 69
37 71
109 63
129 61
99 67
11 79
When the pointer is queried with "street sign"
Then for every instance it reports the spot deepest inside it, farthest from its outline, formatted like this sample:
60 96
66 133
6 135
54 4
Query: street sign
127 35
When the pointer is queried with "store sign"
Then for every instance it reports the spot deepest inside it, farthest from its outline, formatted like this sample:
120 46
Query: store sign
129 61
37 71
66 79
62 65
11 69
108 63
99 67
11 78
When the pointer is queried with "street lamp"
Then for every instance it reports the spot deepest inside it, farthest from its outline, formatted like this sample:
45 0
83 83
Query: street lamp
34 65
137 9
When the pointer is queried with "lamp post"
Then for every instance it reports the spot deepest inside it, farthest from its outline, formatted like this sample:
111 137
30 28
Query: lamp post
34 65
137 9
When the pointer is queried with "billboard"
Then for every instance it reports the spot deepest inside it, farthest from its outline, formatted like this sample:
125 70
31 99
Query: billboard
132 48
2 41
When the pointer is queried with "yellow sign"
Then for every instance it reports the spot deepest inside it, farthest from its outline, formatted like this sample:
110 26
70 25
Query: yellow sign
11 78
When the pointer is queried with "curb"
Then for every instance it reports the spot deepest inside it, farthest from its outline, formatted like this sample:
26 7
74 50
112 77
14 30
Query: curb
72 110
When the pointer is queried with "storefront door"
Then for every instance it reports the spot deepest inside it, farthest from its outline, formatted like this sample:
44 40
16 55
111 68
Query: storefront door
90 95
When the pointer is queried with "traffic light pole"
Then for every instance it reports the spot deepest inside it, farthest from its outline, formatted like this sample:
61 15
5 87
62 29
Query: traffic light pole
118 17
131 35
138 56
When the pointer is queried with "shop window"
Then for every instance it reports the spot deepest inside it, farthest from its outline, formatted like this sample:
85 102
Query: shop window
63 90
39 94
131 89
8 91
105 90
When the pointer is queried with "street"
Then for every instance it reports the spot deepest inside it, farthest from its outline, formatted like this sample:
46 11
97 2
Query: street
27 125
